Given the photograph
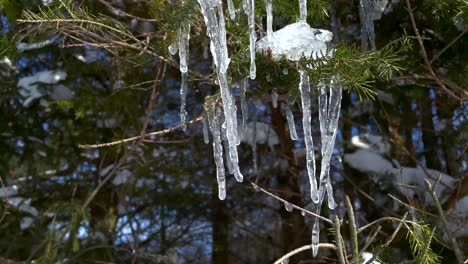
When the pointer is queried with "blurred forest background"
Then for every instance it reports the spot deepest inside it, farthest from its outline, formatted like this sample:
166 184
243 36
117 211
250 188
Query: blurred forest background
97 71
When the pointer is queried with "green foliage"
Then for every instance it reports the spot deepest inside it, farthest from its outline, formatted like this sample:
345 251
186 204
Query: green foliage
420 237
12 9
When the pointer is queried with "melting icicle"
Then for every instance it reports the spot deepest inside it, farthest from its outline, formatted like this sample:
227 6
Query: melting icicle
269 10
249 9
206 137
215 127
315 237
173 48
274 98
232 11
184 34
217 32
304 87
244 107
367 25
288 207
329 113
303 10
183 97
254 141
291 124
228 161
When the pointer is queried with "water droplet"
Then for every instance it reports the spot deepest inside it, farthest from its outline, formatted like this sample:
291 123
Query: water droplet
303 213
285 261
285 71
288 207
173 48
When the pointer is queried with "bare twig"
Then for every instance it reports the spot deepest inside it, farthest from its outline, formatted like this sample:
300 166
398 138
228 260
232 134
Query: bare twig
387 243
352 230
371 238
453 242
303 248
446 47
256 187
340 249
424 53
160 132
394 219
123 159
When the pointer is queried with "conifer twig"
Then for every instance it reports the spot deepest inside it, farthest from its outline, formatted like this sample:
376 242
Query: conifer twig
453 242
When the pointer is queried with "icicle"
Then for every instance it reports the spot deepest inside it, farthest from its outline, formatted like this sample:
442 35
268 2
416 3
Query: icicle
291 124
232 11
184 34
183 96
288 207
329 113
254 141
214 120
303 10
304 87
244 107
228 161
315 237
269 10
173 48
206 137
367 25
217 32
274 98
249 9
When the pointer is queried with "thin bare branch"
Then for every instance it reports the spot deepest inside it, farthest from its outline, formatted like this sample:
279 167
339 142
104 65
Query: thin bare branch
303 248
256 187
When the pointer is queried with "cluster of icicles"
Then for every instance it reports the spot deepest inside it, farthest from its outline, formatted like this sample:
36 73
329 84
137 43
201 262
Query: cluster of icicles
222 121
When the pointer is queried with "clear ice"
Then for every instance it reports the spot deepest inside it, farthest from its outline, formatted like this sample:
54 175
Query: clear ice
274 98
290 119
184 35
214 119
288 207
304 87
303 9
216 30
206 137
244 106
249 9
231 8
